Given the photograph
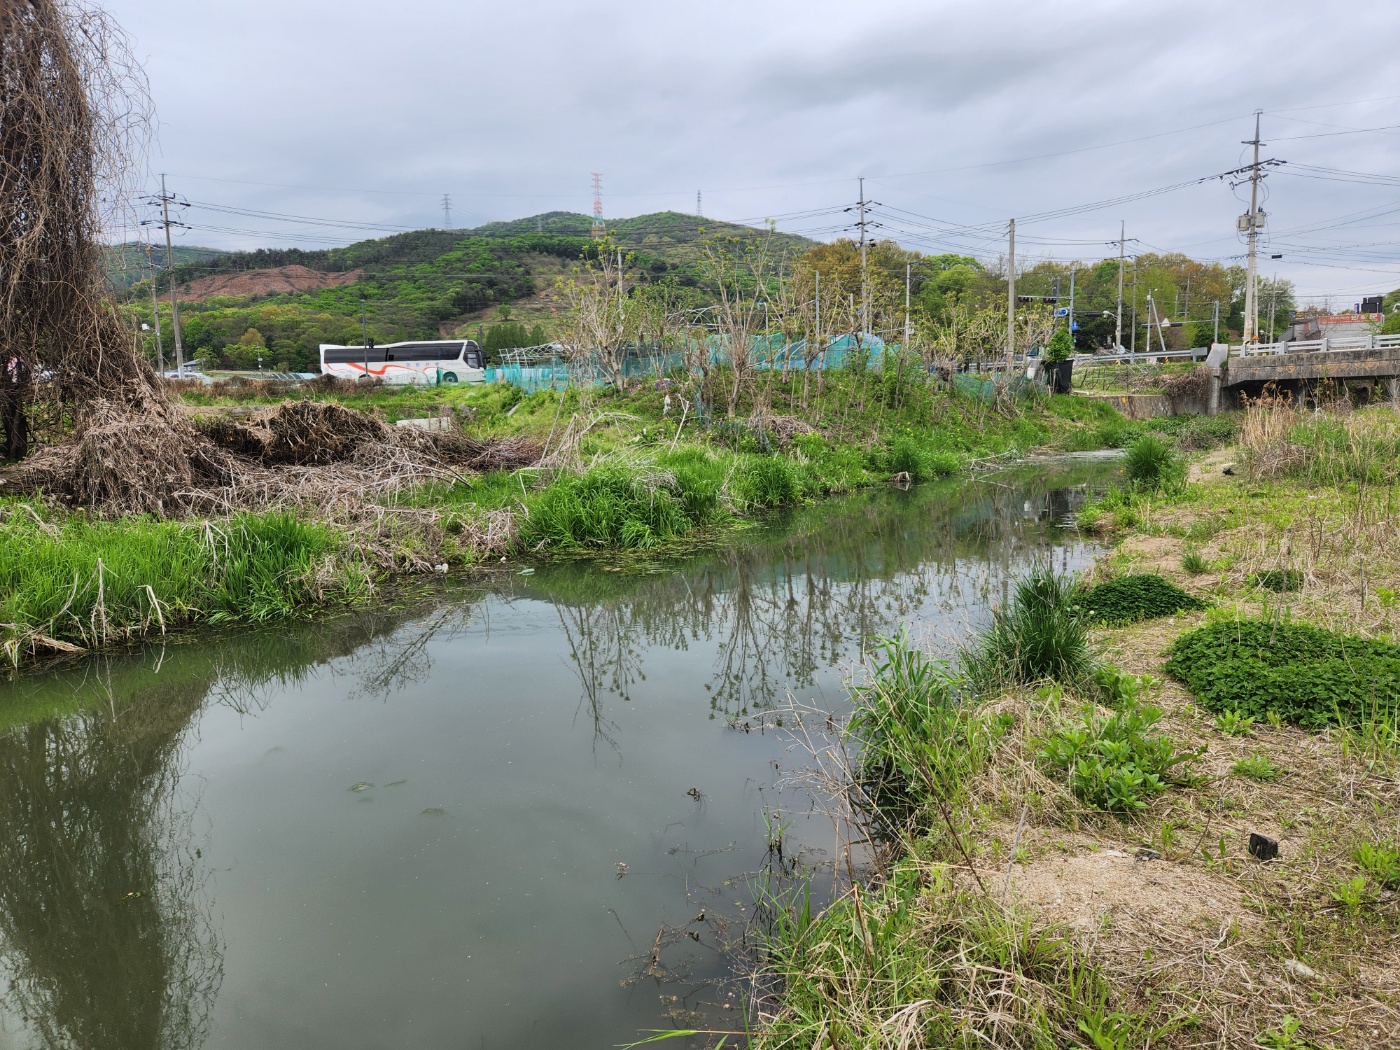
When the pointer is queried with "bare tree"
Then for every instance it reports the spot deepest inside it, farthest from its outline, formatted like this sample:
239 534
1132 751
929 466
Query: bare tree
602 320
739 273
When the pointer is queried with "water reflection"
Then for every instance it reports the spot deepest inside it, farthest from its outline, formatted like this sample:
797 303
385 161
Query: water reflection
113 798
798 598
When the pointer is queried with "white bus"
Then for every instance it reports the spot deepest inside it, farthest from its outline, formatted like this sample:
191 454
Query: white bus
429 362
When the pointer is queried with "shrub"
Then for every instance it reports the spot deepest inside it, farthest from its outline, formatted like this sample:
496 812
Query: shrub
1116 763
1129 599
766 481
1153 465
1039 636
1304 675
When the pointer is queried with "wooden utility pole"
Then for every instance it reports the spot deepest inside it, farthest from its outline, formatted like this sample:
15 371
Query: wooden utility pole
1010 296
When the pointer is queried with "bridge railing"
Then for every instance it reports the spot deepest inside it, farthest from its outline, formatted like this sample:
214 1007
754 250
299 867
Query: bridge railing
1144 357
1328 344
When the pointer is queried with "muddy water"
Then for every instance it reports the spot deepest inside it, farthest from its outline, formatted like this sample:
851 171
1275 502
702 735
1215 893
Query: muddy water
461 823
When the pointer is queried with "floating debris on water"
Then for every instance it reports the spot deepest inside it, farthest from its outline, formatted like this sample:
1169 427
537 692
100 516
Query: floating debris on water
362 785
433 811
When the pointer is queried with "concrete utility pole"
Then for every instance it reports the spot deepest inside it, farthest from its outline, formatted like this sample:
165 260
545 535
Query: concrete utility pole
1133 337
908 326
864 278
1216 338
1070 318
1010 296
170 265
1273 304
1252 222
1118 337
155 312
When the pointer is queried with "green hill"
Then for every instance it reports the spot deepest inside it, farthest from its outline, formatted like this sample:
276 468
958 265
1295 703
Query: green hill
127 263
422 284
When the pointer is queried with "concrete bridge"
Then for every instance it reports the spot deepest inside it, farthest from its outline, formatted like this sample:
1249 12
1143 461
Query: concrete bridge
1360 363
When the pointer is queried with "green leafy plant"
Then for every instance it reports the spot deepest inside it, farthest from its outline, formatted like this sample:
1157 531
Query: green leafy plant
1119 763
1117 687
1153 464
1285 1036
1354 893
1232 723
1303 675
1256 767
1129 599
1381 862
1386 597
1061 345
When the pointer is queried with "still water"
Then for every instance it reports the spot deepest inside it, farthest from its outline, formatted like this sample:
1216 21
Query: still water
462 823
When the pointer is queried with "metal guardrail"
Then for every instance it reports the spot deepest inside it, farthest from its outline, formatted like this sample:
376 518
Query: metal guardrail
1325 345
1144 357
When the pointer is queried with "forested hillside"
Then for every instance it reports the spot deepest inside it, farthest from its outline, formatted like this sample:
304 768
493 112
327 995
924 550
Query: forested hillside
425 284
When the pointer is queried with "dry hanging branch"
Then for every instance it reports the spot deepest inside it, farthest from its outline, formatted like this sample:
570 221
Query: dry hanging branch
74 116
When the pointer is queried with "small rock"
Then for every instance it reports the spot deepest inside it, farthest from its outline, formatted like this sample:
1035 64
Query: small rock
1298 969
440 568
1228 470
1147 854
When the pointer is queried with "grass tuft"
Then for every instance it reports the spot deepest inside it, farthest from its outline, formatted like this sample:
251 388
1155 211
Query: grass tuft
1041 636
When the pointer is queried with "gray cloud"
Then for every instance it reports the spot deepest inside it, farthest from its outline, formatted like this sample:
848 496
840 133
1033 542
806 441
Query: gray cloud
774 108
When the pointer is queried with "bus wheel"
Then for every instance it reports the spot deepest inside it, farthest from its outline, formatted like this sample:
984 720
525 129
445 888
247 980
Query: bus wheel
449 377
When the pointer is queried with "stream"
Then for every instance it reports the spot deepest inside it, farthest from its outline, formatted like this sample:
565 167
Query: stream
486 818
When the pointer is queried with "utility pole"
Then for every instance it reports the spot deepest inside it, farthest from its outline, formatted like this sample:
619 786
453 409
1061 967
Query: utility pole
1216 338
908 327
1133 338
864 279
155 312
1070 319
1118 337
447 211
1010 296
170 265
1273 304
364 333
1252 222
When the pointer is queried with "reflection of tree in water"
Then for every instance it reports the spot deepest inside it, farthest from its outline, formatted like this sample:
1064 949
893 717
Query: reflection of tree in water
107 940
105 926
798 600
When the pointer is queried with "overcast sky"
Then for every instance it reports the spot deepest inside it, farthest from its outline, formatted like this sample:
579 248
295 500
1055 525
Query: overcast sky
958 115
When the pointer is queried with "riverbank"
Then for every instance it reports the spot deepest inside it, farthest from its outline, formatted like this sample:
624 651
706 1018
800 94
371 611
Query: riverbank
328 526
1067 815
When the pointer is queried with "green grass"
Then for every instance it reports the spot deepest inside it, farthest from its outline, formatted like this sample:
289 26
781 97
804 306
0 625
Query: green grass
89 582
1133 598
1153 464
1256 767
1302 674
1040 636
1279 580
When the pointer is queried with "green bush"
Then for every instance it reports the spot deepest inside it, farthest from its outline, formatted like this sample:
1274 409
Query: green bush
1118 763
1153 464
1040 636
1129 599
1305 675
766 481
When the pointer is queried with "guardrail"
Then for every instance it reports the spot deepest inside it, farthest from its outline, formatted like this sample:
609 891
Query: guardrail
1325 345
1197 354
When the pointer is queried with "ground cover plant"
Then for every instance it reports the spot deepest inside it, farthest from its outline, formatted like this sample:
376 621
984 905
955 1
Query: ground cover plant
1305 675
1138 596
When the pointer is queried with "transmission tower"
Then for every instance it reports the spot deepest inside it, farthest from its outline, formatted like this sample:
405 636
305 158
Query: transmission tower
447 211
599 230
698 209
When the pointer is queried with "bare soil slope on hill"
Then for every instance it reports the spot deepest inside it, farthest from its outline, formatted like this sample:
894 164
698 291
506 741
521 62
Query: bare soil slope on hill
277 280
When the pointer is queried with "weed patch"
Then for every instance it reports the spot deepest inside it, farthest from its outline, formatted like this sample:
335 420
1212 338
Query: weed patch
1130 599
1040 636
1302 674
